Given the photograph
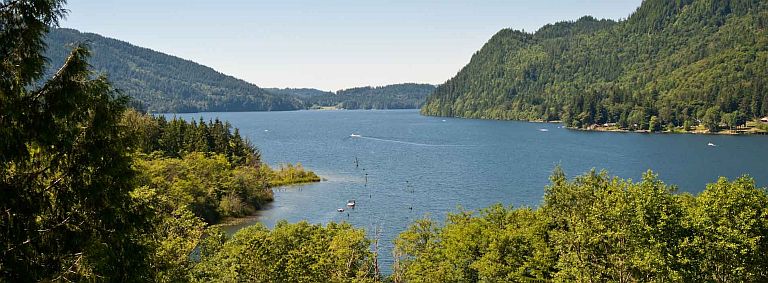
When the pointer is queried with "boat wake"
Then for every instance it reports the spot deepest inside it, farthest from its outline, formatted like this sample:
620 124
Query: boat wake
407 142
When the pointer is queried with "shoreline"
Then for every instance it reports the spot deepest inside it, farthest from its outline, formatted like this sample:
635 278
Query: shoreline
301 182
235 221
696 132
750 130
279 111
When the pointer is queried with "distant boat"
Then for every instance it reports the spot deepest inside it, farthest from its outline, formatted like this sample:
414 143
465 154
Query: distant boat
544 130
443 120
340 210
351 203
355 136
711 144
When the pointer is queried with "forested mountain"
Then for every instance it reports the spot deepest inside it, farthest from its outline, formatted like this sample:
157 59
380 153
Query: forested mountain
298 92
164 83
671 63
397 96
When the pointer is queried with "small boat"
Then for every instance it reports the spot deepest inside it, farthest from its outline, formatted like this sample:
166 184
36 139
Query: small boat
355 135
340 210
544 130
351 203
443 120
711 144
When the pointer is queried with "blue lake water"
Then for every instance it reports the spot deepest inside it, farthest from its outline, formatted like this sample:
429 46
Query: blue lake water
436 165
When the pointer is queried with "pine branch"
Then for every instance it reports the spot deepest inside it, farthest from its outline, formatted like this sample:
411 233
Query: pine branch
73 57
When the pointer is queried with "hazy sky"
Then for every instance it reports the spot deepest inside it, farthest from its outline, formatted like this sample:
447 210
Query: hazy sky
331 44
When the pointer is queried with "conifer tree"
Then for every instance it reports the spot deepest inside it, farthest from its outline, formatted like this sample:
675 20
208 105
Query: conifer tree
65 178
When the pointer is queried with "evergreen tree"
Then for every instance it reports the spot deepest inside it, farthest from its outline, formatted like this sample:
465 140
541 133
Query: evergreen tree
65 177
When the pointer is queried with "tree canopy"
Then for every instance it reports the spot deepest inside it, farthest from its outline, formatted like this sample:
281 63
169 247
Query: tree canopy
397 96
65 177
597 228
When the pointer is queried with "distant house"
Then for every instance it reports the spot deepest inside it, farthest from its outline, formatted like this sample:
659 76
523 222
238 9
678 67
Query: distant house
764 120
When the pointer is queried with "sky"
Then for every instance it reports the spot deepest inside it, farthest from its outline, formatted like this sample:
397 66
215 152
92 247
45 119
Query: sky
327 44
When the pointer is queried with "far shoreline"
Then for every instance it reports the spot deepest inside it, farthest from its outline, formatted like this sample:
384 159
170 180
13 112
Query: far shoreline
325 109
755 132
750 131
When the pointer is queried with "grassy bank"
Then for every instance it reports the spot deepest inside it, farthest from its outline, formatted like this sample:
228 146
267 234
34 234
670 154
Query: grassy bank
288 174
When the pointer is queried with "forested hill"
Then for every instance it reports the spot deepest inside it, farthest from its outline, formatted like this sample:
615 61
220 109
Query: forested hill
300 93
164 83
397 96
673 62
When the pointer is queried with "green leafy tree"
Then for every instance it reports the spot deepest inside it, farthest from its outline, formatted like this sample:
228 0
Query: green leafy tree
729 119
729 221
597 228
712 119
687 125
610 229
653 124
209 186
498 245
298 252
637 119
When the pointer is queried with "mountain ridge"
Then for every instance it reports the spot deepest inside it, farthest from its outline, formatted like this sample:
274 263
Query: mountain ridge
163 82
394 96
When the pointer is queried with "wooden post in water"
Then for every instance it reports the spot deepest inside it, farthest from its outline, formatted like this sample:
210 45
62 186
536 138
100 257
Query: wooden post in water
376 252
410 190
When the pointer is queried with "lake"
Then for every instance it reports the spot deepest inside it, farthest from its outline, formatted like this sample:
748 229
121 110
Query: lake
409 166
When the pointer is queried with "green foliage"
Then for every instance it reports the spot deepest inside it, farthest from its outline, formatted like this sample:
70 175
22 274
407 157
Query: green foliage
205 166
175 138
733 120
605 228
209 186
398 96
675 60
177 236
499 245
712 119
687 125
288 174
301 93
598 228
653 124
164 83
762 126
729 224
291 253
65 177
